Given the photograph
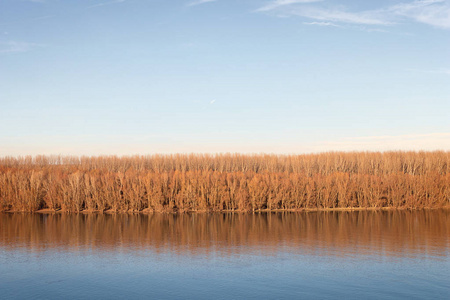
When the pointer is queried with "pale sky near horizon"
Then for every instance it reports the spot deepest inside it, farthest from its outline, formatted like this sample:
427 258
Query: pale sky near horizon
280 76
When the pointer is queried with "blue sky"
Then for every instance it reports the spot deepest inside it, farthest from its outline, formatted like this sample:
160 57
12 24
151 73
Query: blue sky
285 76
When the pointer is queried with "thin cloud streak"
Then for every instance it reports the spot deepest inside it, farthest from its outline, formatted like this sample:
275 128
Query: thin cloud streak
200 2
106 3
280 3
17 47
431 12
342 16
321 24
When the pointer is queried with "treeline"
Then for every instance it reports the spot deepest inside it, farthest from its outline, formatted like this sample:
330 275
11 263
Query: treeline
370 163
226 182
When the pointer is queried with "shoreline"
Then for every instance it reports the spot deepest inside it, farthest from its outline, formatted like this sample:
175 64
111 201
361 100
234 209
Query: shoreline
149 212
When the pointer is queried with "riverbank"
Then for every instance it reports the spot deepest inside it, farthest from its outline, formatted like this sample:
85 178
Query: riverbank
348 209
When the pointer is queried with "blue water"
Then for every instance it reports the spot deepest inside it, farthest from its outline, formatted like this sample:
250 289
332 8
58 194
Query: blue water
355 255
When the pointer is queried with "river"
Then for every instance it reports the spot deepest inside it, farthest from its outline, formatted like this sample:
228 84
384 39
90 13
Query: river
359 255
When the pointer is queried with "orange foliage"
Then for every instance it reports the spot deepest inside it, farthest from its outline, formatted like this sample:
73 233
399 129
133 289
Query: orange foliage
226 182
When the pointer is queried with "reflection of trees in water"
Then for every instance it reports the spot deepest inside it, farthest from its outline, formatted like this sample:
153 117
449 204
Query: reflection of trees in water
382 232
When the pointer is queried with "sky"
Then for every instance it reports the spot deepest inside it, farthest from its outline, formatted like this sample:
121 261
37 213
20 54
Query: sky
95 77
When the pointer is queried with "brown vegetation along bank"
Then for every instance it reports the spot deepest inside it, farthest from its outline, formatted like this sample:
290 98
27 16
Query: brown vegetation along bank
226 182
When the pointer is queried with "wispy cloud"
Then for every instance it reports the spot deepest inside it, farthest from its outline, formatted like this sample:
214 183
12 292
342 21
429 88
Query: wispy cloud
430 12
17 47
106 3
199 2
340 15
374 30
280 3
321 24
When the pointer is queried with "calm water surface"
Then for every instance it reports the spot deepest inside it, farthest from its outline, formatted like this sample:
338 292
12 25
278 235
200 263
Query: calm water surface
359 255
